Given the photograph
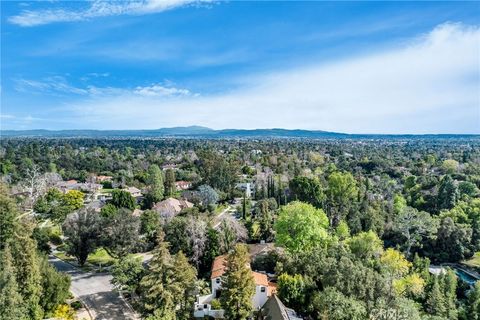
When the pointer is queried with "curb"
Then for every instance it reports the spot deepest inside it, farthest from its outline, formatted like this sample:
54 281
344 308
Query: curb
84 304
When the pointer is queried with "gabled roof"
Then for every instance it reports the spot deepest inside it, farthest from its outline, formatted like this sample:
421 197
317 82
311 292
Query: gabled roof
219 268
274 309
172 205
260 279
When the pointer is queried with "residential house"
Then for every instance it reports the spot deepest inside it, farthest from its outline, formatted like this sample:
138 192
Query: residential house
183 185
274 309
135 192
171 207
169 166
247 187
65 186
263 290
100 179
86 187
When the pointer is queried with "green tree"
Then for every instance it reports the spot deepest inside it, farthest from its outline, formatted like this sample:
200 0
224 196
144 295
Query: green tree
73 199
208 196
342 190
413 226
218 171
212 250
264 211
366 245
453 241
170 179
435 303
55 286
333 305
122 199
155 183
183 286
121 233
473 303
11 301
448 194
300 226
157 298
450 166
83 230
27 266
307 190
238 286
149 224
450 291
292 290
127 273
342 231
108 211
8 215
468 188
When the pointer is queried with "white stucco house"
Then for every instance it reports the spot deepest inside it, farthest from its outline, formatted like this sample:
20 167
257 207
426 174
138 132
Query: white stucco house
263 290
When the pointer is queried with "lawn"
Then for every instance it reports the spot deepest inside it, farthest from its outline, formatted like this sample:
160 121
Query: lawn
474 261
100 257
220 208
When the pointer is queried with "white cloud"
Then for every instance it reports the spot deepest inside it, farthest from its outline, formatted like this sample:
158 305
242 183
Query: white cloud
53 84
158 90
59 85
97 8
426 86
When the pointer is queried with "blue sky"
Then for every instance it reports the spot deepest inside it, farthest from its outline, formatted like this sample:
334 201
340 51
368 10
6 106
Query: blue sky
357 67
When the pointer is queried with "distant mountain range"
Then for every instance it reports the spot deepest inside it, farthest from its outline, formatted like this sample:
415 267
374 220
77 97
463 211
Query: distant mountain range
204 132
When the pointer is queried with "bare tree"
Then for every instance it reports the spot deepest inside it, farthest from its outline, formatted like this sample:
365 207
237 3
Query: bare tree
230 232
35 184
197 233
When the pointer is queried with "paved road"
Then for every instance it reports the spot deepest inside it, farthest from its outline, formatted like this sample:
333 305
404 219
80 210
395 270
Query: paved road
96 291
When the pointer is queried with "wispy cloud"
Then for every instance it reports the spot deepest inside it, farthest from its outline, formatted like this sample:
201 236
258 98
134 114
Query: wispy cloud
59 85
427 85
158 90
96 9
53 84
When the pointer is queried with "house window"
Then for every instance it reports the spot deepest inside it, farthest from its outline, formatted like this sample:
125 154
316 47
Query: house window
218 280
262 289
205 306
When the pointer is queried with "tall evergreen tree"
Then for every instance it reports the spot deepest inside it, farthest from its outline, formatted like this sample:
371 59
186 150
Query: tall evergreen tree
473 303
435 303
155 183
11 301
238 285
8 213
450 291
26 261
183 286
170 182
158 300
448 194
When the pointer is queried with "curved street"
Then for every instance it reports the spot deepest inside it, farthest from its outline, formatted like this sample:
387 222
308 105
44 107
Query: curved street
96 292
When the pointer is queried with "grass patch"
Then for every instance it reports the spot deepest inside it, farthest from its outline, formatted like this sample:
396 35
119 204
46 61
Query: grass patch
100 257
220 208
96 259
106 190
65 257
474 261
